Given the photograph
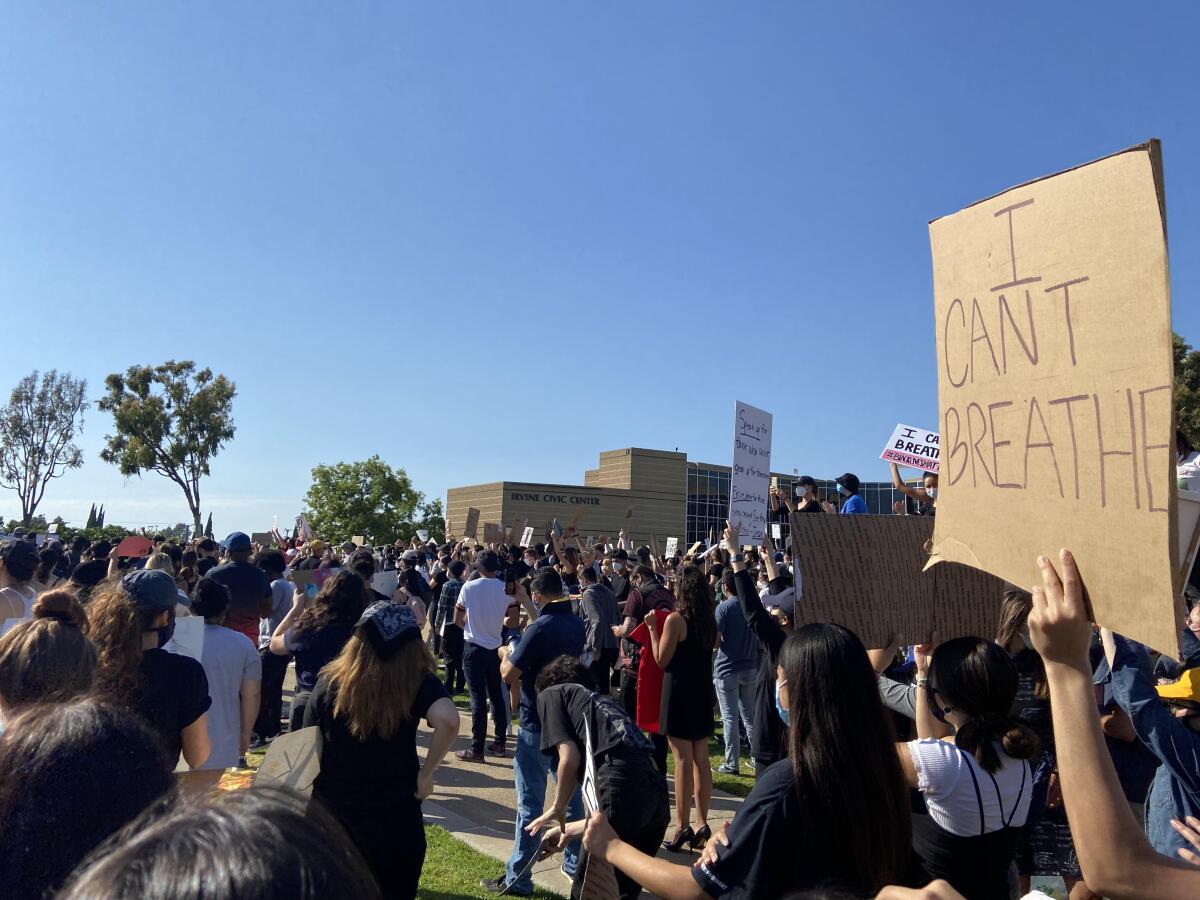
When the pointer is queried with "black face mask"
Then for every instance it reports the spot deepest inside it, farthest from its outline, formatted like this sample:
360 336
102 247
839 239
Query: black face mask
166 632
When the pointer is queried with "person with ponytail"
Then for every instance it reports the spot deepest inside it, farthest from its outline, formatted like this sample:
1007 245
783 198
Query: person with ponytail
833 815
234 672
976 783
129 621
47 659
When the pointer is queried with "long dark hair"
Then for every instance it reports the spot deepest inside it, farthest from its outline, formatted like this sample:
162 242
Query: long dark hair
843 753
694 601
978 678
1014 613
340 601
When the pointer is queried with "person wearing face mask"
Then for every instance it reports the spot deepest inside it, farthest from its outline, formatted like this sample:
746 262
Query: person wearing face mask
806 495
848 487
925 497
129 621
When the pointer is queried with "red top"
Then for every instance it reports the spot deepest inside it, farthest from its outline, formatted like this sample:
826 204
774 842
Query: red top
650 676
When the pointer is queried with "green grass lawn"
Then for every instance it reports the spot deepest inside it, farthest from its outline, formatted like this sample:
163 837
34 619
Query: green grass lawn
452 869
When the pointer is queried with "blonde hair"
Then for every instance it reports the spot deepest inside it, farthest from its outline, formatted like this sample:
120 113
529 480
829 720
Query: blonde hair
376 695
161 561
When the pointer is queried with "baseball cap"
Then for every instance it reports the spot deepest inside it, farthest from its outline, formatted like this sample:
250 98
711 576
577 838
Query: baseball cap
237 542
151 589
620 554
785 601
1186 689
849 481
412 556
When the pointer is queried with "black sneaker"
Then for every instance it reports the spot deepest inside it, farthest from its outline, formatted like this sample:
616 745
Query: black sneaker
500 886
496 748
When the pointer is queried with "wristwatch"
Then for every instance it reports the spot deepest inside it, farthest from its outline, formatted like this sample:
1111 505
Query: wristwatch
737 557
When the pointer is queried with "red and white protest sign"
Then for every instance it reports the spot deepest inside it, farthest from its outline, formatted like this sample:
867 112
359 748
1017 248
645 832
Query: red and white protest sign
913 447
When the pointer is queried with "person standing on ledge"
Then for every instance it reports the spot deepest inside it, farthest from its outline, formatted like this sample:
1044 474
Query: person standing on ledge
848 487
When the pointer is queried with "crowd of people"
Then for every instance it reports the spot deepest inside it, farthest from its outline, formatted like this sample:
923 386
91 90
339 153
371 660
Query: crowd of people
963 768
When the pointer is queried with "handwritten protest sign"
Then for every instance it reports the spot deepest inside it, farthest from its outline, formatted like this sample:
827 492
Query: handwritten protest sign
867 574
1054 354
672 546
527 536
750 483
913 447
472 523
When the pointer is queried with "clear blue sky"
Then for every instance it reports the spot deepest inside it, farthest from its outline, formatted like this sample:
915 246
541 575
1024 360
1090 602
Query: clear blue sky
487 241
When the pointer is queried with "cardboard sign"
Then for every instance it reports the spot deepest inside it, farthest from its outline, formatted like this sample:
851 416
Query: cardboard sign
867 574
750 483
527 536
913 447
263 538
472 524
358 540
672 546
293 761
1055 377
491 533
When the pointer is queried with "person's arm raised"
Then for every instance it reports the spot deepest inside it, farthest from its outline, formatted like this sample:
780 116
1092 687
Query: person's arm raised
1114 855
906 490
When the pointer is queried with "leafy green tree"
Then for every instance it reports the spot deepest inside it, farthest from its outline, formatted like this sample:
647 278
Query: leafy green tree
1187 389
170 419
368 498
37 433
33 523
431 518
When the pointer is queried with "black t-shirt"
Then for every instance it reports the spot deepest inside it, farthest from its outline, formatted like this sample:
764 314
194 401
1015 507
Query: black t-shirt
173 694
771 850
568 711
314 649
366 775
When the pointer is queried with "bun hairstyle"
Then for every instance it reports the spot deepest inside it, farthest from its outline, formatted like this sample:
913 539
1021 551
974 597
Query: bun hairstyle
978 678
48 659
211 600
61 605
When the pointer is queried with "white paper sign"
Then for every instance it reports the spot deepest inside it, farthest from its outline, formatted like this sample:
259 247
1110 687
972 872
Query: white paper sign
914 447
188 639
672 546
776 531
385 582
423 534
751 480
526 535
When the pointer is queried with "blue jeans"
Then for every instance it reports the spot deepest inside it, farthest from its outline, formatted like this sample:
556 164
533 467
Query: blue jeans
530 768
735 693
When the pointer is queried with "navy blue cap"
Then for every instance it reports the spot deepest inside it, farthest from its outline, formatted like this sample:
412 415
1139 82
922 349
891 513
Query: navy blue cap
237 542
151 589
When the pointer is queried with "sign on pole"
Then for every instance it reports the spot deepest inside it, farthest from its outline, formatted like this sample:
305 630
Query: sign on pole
749 486
1055 376
913 447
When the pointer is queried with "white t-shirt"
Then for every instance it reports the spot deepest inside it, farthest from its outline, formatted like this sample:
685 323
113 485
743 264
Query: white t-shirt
486 604
229 658
944 776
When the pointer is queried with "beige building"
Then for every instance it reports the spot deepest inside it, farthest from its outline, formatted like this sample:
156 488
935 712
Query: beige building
668 495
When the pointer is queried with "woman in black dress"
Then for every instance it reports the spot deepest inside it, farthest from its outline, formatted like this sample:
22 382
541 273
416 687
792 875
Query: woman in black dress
684 652
367 703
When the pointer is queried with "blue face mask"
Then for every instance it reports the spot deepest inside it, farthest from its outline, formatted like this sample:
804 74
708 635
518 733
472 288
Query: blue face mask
779 707
842 490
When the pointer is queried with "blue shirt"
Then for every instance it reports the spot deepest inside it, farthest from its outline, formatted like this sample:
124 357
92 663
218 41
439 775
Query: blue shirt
854 504
555 632
737 650
1175 791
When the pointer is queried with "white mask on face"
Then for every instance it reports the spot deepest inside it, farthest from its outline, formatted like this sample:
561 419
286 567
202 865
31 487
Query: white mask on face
932 492
802 491
618 565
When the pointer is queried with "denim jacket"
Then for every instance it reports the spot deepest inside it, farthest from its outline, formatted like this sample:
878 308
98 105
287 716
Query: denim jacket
1175 791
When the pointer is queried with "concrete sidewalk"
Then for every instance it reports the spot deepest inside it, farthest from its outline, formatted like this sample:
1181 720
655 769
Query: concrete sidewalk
477 804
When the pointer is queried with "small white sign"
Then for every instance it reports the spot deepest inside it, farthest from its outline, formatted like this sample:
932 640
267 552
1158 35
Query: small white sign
526 535
672 546
776 531
914 447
